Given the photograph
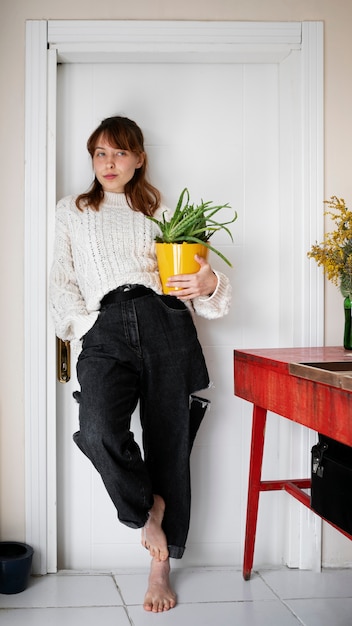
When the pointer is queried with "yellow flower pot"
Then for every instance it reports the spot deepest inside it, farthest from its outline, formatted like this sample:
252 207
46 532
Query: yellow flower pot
178 258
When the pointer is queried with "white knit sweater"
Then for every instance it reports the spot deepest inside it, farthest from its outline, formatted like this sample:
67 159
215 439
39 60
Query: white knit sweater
96 252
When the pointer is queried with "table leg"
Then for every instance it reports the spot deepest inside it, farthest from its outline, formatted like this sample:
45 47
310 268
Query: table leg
255 470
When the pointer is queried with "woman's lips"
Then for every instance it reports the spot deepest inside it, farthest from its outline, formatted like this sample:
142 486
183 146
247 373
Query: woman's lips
110 176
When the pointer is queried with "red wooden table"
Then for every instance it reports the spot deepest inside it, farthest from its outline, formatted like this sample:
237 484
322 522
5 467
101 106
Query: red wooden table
321 399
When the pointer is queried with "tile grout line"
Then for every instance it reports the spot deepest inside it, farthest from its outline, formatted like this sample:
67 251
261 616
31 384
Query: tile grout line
281 600
124 605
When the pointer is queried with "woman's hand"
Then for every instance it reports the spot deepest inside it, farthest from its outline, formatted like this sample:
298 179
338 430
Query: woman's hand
202 283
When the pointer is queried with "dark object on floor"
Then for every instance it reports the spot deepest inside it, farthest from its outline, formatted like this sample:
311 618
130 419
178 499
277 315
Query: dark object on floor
331 490
15 566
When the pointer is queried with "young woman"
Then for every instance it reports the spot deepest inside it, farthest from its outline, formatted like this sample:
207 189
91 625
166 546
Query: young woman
135 343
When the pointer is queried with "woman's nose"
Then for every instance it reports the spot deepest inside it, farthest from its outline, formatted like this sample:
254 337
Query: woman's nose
110 161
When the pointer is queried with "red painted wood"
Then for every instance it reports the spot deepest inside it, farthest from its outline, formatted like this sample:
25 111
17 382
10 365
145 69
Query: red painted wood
255 470
297 493
277 485
263 378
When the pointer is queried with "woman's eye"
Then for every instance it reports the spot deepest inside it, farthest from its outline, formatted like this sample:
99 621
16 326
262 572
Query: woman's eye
118 153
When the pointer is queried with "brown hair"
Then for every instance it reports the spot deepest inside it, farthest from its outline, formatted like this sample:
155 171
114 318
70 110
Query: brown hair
123 133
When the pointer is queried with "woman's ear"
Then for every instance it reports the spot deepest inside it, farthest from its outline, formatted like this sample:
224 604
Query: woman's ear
141 158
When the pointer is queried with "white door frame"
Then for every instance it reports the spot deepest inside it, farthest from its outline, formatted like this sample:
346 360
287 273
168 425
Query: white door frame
49 42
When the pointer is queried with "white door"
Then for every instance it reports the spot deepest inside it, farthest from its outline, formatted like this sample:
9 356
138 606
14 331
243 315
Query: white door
234 111
214 128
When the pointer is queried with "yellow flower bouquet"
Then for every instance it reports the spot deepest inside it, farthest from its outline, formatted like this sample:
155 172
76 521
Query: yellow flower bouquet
334 254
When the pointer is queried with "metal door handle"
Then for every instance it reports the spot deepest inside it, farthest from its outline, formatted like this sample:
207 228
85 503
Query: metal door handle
63 350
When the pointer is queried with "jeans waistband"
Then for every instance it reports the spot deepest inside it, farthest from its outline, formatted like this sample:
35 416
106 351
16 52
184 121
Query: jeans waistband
124 292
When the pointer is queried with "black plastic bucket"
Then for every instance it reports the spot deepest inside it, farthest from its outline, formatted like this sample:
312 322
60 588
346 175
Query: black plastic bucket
15 566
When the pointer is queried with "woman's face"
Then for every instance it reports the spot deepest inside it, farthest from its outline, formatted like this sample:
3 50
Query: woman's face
114 167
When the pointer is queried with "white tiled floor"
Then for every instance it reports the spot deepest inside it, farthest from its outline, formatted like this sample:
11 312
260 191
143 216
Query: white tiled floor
206 597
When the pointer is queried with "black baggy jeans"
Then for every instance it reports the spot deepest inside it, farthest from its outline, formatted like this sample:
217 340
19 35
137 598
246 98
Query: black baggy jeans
143 349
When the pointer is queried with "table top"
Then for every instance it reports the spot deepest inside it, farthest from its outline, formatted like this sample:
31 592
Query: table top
313 396
331 366
299 355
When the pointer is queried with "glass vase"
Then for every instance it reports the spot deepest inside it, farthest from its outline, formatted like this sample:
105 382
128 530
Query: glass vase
347 336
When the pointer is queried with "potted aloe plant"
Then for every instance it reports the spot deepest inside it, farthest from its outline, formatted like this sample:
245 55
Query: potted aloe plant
185 234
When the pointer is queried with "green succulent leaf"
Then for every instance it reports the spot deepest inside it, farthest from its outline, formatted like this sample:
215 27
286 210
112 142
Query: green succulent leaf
193 223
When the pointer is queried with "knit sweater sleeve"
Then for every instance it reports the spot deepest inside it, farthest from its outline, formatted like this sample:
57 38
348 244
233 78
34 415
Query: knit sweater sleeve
218 304
67 305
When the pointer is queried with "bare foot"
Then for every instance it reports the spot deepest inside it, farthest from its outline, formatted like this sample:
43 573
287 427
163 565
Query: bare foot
159 597
153 536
